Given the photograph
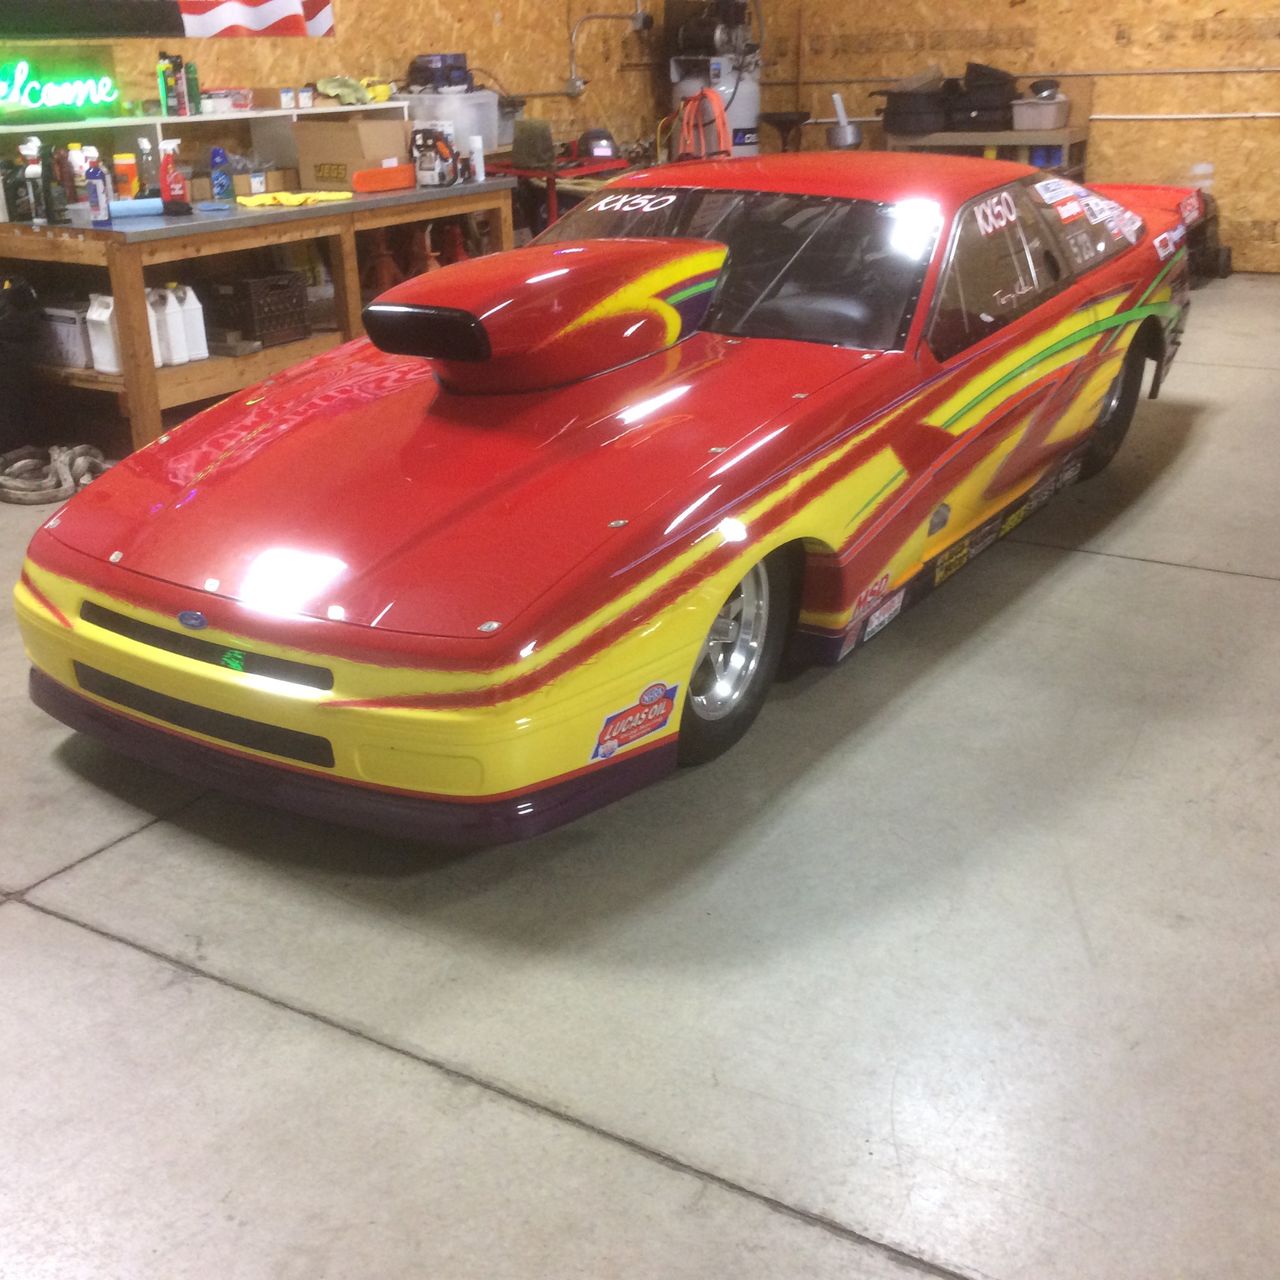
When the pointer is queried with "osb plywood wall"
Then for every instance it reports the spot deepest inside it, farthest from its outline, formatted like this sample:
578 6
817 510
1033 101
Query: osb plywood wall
524 43
816 46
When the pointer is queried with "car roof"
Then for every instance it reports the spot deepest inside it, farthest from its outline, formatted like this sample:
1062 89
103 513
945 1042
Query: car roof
886 176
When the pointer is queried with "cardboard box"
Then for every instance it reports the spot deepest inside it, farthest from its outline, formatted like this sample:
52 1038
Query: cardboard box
255 184
330 152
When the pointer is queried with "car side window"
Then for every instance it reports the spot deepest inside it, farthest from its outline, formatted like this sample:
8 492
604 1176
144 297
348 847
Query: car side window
1001 265
1091 228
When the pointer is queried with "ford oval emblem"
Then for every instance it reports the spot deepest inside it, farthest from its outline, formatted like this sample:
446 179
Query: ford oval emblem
194 619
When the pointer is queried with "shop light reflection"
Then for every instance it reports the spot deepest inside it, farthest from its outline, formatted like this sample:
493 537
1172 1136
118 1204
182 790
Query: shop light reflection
282 580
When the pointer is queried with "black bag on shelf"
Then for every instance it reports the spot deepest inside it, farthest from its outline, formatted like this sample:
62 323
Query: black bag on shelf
984 99
962 116
913 111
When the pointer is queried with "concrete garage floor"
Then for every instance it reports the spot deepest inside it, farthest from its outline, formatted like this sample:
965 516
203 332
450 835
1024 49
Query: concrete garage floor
964 964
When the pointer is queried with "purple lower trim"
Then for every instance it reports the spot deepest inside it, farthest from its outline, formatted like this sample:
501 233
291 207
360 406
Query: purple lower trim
410 817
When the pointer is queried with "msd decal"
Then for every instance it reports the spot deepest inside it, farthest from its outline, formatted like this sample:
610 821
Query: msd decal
870 597
649 713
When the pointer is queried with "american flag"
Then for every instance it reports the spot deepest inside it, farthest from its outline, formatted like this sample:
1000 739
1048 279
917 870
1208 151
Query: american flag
257 17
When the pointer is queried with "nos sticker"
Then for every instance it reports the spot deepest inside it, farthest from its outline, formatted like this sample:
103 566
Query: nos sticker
649 713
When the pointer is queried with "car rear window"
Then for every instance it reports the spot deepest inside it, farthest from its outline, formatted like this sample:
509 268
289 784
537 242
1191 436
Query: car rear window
840 272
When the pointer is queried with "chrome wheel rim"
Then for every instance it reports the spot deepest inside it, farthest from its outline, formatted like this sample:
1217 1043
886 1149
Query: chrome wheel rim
1112 402
731 655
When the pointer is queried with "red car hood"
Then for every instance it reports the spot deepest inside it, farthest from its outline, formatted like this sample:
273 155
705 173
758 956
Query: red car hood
353 488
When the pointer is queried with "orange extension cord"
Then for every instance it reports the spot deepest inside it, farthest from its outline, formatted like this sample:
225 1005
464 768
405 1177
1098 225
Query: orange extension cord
693 138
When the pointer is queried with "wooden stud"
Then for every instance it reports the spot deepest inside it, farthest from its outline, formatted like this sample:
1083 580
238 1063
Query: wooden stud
128 288
345 269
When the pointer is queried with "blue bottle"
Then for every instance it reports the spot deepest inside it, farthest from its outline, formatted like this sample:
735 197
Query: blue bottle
220 175
98 188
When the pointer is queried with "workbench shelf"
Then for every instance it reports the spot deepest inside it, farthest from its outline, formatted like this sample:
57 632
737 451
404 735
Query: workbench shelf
204 379
130 248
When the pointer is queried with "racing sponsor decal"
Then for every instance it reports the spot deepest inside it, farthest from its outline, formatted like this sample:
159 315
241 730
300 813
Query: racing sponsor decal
952 559
1070 210
1015 518
746 137
649 713
996 213
870 597
1130 226
1051 190
1167 242
1097 209
645 202
1190 209
884 615
982 537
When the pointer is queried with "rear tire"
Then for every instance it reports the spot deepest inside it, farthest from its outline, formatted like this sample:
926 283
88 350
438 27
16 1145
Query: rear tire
1117 412
738 662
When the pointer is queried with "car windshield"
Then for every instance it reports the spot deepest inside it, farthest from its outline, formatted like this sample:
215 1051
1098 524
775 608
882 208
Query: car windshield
813 269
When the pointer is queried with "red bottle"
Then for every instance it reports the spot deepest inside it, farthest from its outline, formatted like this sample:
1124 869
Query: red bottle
173 184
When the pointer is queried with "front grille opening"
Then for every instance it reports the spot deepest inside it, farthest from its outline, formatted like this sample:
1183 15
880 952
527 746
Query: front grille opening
241 732
218 655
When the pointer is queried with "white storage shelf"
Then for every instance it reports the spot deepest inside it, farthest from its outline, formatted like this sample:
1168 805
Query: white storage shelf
173 124
270 130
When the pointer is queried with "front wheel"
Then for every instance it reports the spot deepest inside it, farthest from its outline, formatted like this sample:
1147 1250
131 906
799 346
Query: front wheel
738 662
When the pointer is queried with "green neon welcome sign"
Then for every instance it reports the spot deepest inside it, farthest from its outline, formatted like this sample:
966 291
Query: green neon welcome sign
22 89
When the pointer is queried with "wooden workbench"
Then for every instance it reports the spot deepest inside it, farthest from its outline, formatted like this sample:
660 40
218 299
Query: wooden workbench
131 245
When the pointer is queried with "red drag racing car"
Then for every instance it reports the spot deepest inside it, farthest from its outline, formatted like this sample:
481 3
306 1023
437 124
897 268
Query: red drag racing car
546 534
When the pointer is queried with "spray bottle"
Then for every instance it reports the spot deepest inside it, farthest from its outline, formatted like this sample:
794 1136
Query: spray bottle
167 83
173 185
220 178
192 80
30 153
51 191
98 186
148 173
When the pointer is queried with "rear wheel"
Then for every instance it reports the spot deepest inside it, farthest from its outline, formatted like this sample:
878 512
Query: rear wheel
1117 412
738 662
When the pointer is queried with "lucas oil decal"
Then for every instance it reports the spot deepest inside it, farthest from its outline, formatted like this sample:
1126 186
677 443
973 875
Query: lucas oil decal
649 713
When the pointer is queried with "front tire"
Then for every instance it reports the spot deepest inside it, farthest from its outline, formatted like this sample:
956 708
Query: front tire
738 661
1117 412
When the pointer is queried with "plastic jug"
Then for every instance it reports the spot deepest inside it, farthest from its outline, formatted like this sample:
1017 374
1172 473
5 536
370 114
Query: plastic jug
193 321
104 340
170 325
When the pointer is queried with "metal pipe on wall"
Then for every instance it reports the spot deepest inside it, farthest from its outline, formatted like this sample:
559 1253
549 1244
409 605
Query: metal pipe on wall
1046 75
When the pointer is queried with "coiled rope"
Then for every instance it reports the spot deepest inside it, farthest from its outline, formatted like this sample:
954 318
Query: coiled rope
31 476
